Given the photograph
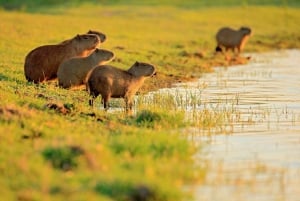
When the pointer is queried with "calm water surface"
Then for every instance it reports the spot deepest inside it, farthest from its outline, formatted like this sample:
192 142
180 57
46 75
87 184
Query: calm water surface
259 157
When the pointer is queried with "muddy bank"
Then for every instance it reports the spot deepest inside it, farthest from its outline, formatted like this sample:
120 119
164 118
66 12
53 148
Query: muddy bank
167 80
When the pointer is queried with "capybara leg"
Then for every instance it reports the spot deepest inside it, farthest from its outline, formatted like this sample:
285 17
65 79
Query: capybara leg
218 49
227 57
128 104
105 103
238 51
91 101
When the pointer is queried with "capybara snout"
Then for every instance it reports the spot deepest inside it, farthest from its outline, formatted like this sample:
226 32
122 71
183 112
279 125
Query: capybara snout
107 55
246 31
95 40
101 35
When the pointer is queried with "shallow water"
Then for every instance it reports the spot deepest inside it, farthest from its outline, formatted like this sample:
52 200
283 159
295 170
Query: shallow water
258 157
260 160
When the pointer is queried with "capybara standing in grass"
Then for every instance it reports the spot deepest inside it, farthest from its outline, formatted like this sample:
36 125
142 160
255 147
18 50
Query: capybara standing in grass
111 82
232 39
41 64
73 72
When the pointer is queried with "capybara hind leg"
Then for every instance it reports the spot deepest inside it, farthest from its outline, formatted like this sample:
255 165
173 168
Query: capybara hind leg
106 102
91 101
128 104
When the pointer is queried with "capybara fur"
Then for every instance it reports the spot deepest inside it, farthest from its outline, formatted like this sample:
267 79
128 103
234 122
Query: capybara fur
73 72
232 39
101 36
41 64
111 82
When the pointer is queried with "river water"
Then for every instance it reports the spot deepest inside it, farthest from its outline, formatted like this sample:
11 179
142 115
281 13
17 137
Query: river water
258 160
257 155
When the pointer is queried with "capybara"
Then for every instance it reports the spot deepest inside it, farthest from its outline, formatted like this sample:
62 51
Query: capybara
41 63
232 39
73 72
101 35
111 82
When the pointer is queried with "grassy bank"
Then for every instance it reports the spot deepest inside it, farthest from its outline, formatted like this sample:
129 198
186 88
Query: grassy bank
54 147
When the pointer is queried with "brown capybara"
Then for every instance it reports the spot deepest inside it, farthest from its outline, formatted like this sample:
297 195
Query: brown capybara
41 64
73 72
101 35
232 39
111 82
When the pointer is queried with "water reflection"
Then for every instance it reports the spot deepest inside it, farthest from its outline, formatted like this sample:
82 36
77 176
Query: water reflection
256 155
259 160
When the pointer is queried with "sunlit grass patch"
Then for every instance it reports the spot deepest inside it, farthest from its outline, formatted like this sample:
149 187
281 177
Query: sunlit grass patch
157 119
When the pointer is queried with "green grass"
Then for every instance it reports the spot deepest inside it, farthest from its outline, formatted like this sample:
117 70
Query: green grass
55 147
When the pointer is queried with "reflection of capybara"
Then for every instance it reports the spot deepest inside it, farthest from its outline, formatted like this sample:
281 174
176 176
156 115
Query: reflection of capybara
232 39
41 64
73 72
111 82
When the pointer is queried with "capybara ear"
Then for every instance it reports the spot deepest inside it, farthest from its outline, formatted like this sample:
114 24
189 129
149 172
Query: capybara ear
136 63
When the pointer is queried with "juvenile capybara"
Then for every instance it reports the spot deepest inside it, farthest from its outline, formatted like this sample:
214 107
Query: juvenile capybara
41 63
229 38
111 82
73 72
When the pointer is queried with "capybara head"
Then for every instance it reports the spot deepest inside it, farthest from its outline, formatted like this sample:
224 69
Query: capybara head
90 41
101 35
103 55
245 31
142 69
